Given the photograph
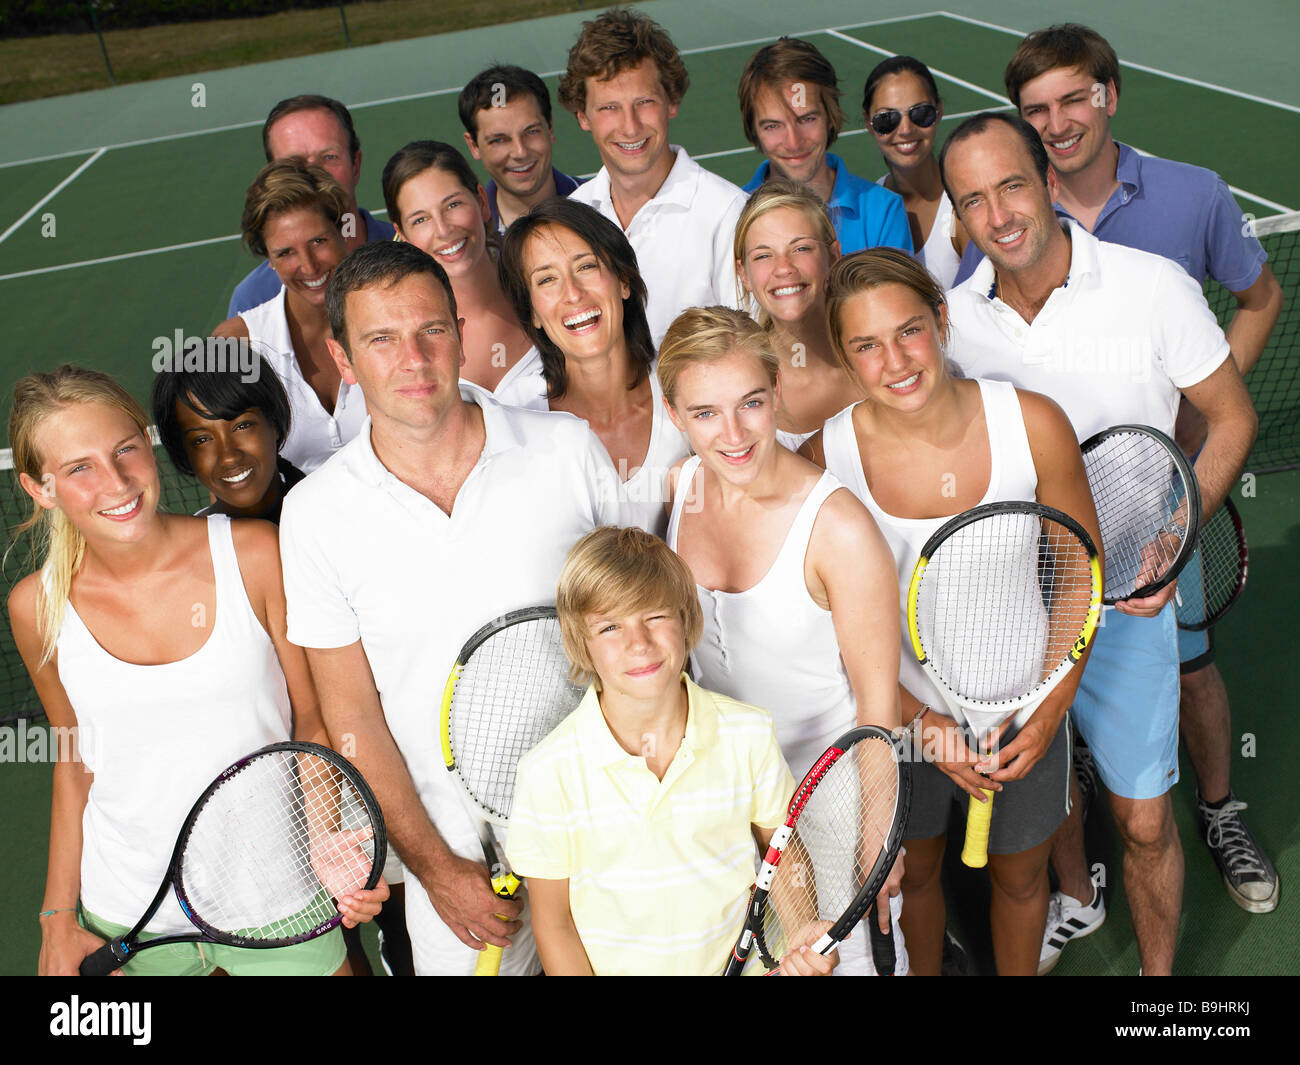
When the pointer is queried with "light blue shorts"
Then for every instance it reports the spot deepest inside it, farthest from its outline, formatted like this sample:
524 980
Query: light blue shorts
1127 703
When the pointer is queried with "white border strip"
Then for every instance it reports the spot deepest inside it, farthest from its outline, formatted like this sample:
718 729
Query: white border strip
51 194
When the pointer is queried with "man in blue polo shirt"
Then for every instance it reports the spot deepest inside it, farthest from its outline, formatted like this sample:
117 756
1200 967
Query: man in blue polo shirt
506 112
790 105
319 130
1065 80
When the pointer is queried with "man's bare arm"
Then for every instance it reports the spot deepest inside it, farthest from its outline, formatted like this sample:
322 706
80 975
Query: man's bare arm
1232 425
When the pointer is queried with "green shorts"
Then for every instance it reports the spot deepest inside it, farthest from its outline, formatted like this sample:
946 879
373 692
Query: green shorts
321 956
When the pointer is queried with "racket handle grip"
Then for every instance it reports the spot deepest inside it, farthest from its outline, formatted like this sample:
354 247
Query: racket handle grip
883 955
975 853
489 962
103 961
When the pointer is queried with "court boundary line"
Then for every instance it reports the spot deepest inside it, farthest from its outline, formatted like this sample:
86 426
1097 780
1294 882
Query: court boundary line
1140 66
437 92
933 70
51 194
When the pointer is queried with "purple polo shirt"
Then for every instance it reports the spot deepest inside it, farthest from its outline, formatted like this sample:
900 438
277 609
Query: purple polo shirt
1183 212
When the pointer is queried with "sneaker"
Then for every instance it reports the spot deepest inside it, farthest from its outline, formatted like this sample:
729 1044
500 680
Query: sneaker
1085 774
1248 875
1068 919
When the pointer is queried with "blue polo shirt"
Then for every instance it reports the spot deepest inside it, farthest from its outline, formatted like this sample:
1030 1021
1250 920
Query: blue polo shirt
865 215
263 284
563 186
1183 212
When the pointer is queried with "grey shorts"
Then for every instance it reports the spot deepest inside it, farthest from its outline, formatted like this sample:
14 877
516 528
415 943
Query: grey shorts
1025 812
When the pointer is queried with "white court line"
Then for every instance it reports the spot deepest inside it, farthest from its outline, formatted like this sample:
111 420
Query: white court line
117 258
933 70
1145 69
433 92
51 194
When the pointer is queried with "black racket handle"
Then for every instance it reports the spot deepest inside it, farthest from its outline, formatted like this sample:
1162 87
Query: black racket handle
107 958
882 944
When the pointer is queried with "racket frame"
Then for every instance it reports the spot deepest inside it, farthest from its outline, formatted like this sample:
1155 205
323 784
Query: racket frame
504 882
124 947
866 896
979 815
1192 496
1243 566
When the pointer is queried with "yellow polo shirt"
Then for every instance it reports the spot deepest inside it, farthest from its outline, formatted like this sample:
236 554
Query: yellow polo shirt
659 871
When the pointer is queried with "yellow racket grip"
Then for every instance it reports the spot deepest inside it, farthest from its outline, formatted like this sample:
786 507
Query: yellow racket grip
975 853
489 960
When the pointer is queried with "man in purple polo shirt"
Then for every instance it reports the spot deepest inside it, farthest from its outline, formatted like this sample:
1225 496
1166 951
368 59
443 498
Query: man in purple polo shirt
506 112
319 130
1065 81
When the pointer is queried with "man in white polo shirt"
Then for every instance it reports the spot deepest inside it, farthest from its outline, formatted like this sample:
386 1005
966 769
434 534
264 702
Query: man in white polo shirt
624 82
1113 335
447 510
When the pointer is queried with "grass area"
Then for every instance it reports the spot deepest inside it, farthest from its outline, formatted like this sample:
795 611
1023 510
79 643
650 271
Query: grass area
35 67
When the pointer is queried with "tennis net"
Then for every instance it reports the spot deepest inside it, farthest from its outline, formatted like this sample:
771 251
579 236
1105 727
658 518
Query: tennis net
180 494
1274 383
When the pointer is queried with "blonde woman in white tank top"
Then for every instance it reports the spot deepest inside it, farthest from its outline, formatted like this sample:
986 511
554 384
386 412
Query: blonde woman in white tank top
159 640
920 448
786 623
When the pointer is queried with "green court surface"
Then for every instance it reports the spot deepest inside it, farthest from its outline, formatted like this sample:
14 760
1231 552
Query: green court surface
119 209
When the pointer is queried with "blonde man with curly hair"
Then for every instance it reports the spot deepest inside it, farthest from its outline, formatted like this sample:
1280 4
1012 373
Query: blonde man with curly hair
624 82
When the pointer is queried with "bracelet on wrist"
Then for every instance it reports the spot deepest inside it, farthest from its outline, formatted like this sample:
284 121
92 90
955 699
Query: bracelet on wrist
51 913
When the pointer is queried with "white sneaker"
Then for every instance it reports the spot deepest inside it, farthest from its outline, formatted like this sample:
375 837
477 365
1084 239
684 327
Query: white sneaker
1067 919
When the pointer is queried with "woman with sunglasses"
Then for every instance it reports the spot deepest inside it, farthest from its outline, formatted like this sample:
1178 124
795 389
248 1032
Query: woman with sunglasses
902 109
790 108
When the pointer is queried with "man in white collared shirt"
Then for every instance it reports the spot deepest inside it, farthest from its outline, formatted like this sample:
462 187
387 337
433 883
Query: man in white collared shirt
1113 335
624 82
447 510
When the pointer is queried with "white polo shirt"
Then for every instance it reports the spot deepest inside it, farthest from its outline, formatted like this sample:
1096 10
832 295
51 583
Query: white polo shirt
367 557
682 238
1113 345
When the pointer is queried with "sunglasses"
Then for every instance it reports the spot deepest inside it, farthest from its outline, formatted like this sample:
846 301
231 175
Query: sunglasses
923 115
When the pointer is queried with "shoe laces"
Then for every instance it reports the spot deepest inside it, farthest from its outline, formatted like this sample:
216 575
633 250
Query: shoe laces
1225 832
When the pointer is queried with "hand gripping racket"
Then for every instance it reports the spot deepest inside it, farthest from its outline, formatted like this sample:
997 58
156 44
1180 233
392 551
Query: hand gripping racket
825 866
508 689
265 852
1148 508
1003 602
1217 573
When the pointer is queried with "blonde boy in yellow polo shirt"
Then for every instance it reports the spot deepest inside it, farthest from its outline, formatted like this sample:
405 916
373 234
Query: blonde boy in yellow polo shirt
635 821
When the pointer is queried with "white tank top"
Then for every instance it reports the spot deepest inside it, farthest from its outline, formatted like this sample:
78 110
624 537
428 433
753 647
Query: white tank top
641 498
314 433
772 646
156 736
937 253
1011 477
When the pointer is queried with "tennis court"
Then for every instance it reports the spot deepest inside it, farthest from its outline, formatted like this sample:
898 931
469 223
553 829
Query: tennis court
118 219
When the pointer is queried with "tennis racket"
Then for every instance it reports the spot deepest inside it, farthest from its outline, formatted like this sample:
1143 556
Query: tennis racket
826 864
1218 580
1148 508
1003 602
508 689
263 854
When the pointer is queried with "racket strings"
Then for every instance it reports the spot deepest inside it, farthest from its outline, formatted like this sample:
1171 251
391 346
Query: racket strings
842 834
510 695
1001 604
1138 489
1223 555
274 844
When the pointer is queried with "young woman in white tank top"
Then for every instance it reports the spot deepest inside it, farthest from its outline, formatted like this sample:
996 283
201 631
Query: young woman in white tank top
787 626
159 640
573 278
901 98
922 447
785 244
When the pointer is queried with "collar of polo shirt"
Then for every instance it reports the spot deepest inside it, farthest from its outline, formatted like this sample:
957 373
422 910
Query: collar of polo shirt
598 740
